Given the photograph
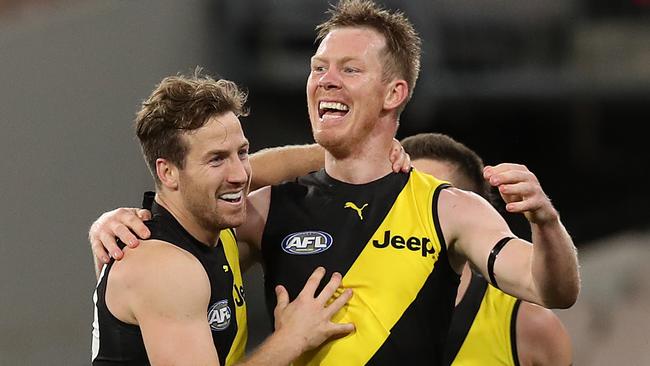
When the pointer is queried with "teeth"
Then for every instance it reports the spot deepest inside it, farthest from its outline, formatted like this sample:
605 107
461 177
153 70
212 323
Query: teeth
231 196
334 105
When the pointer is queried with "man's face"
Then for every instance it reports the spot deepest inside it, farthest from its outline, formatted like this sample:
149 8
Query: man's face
215 179
345 91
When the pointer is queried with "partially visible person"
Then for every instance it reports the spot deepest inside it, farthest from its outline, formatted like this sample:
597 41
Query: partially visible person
178 299
488 327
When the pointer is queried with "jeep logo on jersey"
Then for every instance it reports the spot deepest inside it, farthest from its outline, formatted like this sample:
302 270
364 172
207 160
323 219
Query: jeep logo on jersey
219 315
412 243
307 242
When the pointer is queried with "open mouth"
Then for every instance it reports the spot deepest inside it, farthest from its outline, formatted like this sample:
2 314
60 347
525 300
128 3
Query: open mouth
332 110
233 197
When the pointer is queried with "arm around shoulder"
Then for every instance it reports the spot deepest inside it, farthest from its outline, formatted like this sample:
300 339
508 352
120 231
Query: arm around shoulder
279 164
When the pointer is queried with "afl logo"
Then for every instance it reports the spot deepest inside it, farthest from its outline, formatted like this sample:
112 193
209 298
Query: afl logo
219 315
307 242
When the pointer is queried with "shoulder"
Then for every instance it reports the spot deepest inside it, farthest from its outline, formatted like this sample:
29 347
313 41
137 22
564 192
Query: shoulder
461 210
541 337
159 274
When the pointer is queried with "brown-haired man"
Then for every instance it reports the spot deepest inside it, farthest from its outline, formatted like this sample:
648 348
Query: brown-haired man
488 327
178 299
401 240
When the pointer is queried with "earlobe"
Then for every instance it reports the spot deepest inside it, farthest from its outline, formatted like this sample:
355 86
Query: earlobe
396 94
167 173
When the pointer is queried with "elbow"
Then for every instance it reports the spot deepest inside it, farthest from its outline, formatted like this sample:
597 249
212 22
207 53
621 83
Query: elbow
566 298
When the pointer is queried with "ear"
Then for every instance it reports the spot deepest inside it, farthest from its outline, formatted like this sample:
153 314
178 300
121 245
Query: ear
167 172
398 91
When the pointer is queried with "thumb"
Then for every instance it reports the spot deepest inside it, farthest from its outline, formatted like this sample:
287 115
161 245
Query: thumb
282 296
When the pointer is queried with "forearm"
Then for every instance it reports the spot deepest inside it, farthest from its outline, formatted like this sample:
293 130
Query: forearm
276 350
276 165
554 265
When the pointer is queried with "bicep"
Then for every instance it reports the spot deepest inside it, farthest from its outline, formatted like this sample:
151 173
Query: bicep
472 228
169 303
176 340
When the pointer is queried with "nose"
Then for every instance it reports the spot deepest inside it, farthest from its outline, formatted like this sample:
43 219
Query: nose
330 79
239 171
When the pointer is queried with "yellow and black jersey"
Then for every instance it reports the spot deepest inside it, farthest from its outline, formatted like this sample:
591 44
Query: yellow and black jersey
117 343
385 239
483 327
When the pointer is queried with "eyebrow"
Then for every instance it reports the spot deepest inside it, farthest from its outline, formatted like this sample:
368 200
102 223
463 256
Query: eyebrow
214 152
341 61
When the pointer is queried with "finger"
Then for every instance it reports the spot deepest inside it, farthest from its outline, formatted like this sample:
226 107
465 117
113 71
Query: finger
312 282
396 157
400 161
330 288
282 297
507 166
144 215
98 251
108 241
521 206
340 329
522 189
338 304
512 176
135 223
126 236
406 167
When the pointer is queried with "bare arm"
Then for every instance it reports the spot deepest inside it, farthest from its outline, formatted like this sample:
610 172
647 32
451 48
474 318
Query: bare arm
166 292
279 164
545 273
542 339
269 166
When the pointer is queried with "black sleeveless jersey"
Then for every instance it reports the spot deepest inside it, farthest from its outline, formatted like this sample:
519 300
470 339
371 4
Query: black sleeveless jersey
118 343
385 239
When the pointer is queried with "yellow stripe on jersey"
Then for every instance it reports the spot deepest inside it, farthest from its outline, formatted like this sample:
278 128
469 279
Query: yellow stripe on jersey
232 254
488 341
386 277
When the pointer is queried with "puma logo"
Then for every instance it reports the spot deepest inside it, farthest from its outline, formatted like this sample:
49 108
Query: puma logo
354 207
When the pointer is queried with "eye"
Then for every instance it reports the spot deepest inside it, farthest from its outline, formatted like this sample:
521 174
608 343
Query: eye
318 68
350 70
243 154
216 160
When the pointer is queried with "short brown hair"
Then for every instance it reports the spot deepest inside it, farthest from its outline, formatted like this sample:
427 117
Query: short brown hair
180 104
436 146
402 56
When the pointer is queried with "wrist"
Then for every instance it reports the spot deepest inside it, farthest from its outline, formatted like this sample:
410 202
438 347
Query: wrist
293 345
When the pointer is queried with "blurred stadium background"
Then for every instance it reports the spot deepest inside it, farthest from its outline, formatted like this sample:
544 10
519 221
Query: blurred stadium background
562 86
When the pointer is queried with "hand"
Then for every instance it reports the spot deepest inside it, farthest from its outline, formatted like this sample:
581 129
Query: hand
117 223
306 320
521 191
400 160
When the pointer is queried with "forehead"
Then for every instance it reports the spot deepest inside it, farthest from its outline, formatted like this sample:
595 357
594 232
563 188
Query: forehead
351 42
220 132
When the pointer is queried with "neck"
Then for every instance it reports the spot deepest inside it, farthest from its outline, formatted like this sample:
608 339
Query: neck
172 203
366 161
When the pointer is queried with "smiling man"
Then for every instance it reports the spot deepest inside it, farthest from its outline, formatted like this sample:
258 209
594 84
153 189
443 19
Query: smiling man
178 299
